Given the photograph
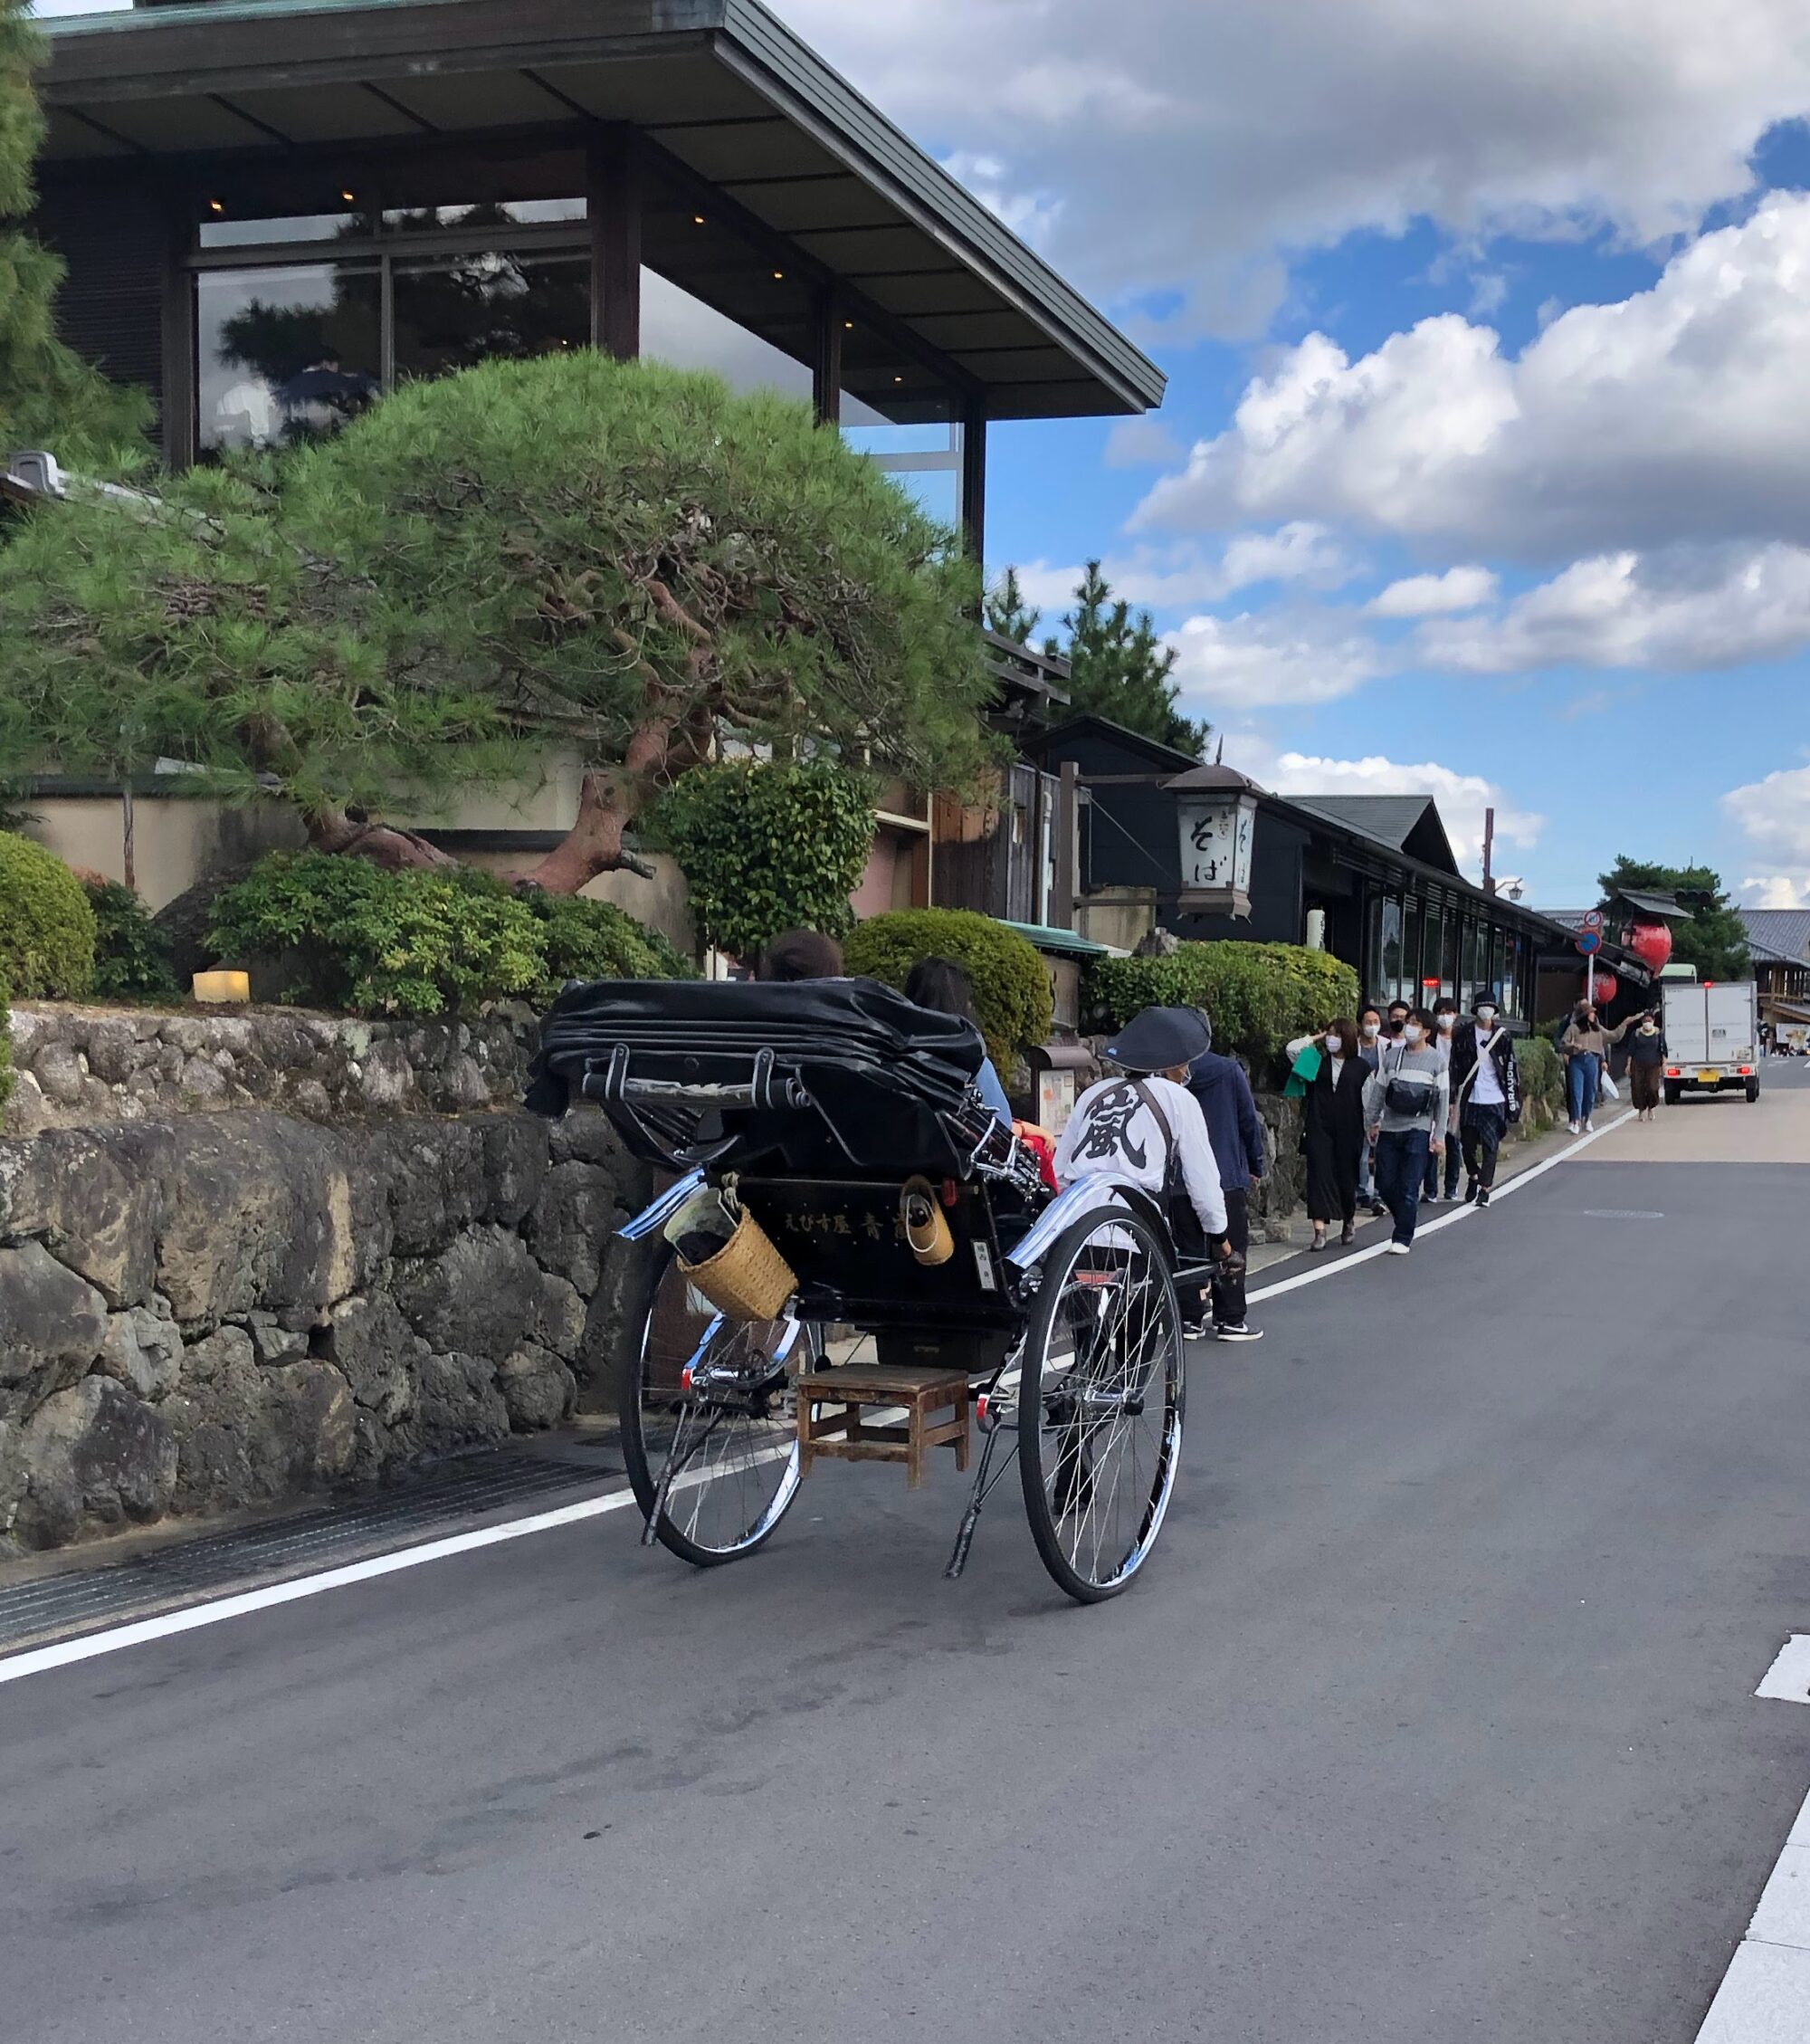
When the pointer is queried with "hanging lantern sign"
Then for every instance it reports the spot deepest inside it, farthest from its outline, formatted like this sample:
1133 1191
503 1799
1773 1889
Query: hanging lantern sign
1651 942
1218 826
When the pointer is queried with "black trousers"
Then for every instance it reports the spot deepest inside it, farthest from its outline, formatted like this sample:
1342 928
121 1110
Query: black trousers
1482 1132
1228 1292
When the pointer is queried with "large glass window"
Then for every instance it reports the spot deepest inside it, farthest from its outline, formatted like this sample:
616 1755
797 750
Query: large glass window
1476 959
677 328
286 353
1408 988
1389 952
451 314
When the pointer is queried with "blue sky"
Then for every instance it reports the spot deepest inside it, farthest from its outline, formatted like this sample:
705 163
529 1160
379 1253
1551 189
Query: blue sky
1484 466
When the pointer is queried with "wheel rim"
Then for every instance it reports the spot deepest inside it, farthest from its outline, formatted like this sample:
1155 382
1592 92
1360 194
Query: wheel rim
1108 1421
717 1418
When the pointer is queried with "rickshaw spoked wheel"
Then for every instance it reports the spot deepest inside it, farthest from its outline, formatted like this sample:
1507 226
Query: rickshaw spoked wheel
706 1412
1100 1406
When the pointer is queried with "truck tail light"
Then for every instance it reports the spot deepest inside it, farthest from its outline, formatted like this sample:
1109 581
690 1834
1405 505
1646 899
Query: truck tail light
1744 1072
1674 1072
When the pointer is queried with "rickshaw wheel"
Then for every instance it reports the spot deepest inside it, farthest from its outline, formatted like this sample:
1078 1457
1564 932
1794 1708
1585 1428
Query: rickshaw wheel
1100 1406
724 1442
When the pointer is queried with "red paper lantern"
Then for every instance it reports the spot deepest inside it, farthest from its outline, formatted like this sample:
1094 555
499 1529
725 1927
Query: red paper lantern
1651 942
1601 987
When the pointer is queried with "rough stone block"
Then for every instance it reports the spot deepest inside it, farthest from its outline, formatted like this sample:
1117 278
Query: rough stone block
143 1352
538 1389
480 1296
379 1355
516 1161
54 1322
91 1457
96 1196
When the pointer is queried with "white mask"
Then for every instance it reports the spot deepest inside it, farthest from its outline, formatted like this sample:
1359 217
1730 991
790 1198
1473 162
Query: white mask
1445 1022
1411 1032
1334 1045
1372 1028
1486 1017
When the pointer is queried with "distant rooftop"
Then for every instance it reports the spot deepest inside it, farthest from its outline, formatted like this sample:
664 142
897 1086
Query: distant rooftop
1405 823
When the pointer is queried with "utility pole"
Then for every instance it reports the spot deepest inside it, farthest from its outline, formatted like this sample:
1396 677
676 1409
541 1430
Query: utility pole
1488 848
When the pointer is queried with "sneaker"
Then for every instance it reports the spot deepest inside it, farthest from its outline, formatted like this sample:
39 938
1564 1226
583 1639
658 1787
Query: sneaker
1470 1192
1590 1126
1483 1197
1577 1128
1398 1249
1241 1332
1379 1208
1195 1330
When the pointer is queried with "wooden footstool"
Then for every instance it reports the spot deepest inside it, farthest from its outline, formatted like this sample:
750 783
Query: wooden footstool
848 1436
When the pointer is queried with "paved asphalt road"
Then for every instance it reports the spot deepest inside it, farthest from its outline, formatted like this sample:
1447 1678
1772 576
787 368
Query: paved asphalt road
1432 1719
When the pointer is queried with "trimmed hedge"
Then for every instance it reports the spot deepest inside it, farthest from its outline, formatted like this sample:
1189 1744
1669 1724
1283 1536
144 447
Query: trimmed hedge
1260 997
132 953
1011 982
431 941
1542 1072
46 926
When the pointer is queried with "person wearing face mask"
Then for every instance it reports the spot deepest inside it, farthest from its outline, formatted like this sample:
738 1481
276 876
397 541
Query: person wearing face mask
1332 1133
1486 1094
1369 1049
1444 1022
1584 1048
1406 1103
1646 1065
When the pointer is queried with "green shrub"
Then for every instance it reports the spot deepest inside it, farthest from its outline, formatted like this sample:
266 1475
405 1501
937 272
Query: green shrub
598 940
433 941
355 937
1260 997
1542 1072
131 954
768 846
1011 982
6 1050
46 926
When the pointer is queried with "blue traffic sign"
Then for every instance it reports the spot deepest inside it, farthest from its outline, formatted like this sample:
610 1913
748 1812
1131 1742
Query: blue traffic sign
1589 942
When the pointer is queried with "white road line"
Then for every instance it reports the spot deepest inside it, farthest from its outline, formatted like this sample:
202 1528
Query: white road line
40 1660
1765 1995
1450 1219
1788 1677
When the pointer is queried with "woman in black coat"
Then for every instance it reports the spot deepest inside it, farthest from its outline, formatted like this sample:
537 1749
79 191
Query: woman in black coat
1333 1136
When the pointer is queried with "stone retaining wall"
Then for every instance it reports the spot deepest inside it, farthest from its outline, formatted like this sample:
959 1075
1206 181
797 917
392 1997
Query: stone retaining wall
228 1309
79 1066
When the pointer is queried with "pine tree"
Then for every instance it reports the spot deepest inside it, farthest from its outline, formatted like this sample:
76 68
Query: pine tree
49 397
1715 940
1119 668
1008 614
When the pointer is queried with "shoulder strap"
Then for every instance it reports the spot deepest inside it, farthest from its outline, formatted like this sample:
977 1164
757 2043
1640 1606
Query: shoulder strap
1147 1093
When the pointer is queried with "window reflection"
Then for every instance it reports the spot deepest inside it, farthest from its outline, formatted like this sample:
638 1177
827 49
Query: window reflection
516 213
679 328
285 354
450 315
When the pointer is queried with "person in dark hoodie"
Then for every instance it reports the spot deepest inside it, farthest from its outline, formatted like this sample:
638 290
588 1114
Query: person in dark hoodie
1225 1100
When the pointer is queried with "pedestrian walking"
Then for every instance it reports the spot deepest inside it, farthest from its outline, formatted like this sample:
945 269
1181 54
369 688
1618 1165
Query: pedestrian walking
1145 1125
1406 1101
1647 1054
1584 1048
1236 1133
1332 1130
1486 1094
941 984
1444 1027
1369 1048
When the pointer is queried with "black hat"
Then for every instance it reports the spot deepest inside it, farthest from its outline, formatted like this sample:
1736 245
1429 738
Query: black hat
1155 1039
1485 997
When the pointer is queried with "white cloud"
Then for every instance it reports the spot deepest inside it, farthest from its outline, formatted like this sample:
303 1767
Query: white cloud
1679 414
1031 216
1196 137
1462 798
1171 578
1143 443
1773 815
1435 596
1688 610
1269 659
1776 891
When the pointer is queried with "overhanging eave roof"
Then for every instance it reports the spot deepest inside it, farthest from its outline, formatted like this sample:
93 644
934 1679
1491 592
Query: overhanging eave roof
721 85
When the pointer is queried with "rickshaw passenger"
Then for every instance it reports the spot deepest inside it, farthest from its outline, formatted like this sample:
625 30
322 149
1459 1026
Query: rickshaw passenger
1147 1126
939 983
800 954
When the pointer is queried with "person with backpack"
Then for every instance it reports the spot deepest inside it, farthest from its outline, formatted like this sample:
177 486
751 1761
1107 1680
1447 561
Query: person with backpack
1486 1093
1236 1133
1144 1124
1406 1103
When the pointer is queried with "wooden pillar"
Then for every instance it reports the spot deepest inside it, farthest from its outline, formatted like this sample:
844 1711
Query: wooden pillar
613 195
826 373
1067 848
974 480
179 365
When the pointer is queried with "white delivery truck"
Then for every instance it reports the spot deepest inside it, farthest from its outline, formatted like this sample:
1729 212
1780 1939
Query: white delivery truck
1711 1038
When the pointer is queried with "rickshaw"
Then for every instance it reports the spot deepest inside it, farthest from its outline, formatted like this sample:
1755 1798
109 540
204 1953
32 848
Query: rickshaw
856 1259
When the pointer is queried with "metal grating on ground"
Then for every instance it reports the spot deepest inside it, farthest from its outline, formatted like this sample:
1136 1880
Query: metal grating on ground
188 1572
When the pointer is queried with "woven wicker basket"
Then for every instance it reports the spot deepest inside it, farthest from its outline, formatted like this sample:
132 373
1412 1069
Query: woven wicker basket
747 1278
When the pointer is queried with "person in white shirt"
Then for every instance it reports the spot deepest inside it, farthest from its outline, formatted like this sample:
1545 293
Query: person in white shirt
1486 1094
1445 1026
1147 1127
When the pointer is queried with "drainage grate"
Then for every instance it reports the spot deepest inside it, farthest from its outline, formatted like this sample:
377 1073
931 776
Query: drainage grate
326 1536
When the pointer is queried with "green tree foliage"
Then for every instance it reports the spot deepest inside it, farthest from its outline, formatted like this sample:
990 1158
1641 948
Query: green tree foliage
1542 1076
619 560
1715 940
768 846
422 941
1259 997
1120 669
46 926
49 397
131 954
1008 614
1011 982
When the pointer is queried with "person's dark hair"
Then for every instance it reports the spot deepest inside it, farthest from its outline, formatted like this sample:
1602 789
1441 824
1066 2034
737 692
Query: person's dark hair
1444 1005
941 984
1428 1026
1369 1007
801 954
1407 1006
1346 1031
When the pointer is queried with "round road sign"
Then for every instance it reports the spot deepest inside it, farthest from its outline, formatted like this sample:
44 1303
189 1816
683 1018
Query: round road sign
1589 942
